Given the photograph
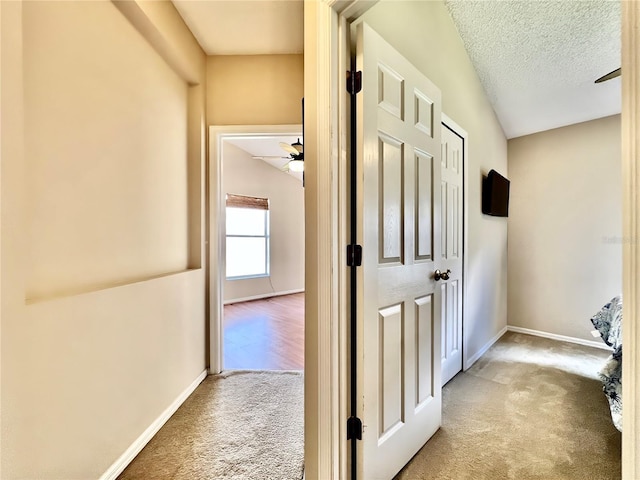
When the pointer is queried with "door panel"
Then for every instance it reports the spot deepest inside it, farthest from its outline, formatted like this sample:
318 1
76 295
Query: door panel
399 157
424 348
452 201
424 205
391 393
444 223
391 226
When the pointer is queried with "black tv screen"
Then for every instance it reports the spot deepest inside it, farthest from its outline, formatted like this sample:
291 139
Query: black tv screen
495 195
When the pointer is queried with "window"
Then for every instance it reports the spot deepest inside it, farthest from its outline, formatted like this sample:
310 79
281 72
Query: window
247 236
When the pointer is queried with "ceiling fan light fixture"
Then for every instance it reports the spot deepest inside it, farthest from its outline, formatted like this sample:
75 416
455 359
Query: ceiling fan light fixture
296 153
296 165
298 146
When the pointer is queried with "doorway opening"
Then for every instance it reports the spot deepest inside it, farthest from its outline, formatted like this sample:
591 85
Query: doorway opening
258 247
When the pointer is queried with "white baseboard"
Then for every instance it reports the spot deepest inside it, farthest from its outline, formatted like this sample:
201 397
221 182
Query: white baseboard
264 295
134 449
486 346
589 343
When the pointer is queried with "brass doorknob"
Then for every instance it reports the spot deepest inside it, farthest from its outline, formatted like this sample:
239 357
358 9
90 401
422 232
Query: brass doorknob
437 275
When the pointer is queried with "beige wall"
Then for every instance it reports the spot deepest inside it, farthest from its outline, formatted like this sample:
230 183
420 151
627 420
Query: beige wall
424 33
106 191
244 175
565 226
255 89
101 195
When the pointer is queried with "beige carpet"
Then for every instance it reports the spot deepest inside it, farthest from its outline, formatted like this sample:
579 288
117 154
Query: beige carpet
530 408
244 425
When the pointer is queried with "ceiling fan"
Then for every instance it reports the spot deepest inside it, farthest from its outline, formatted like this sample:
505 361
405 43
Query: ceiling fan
296 153
609 76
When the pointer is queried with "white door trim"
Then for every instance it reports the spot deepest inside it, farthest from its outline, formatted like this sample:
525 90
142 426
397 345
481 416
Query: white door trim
322 227
215 217
631 231
326 59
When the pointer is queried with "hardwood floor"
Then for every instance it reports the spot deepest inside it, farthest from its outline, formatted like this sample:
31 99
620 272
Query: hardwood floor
265 334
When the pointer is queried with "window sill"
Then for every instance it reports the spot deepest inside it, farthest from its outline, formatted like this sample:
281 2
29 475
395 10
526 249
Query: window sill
248 277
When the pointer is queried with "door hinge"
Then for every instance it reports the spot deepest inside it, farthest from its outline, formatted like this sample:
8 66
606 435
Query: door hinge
354 82
354 255
354 428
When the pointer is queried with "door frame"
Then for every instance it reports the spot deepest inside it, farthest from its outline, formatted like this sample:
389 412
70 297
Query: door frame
326 123
215 214
631 230
326 59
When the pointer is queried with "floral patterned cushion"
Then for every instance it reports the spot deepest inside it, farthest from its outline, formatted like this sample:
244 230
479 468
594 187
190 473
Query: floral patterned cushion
608 321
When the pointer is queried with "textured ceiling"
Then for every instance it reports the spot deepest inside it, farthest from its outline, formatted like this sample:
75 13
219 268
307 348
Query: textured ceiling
537 60
257 27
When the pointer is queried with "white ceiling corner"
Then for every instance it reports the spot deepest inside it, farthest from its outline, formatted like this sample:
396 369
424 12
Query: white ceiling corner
245 27
538 60
267 148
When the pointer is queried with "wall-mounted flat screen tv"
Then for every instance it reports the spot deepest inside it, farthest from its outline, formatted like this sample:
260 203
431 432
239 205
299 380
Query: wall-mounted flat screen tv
495 195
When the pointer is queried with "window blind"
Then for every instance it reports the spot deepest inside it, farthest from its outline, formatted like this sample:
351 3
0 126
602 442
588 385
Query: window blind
243 201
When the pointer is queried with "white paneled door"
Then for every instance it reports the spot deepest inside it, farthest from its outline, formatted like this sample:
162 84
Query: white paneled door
451 189
400 302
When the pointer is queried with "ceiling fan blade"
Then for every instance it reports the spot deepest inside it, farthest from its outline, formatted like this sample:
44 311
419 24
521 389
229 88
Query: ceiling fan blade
609 76
288 148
